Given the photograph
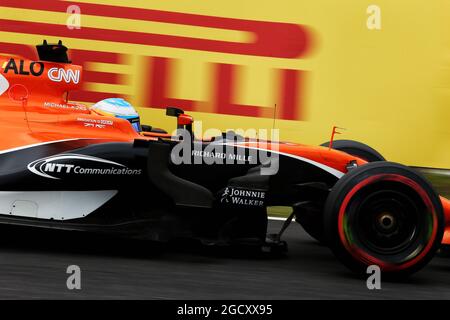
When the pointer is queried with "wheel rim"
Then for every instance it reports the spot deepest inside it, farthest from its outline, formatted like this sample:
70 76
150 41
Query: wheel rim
387 222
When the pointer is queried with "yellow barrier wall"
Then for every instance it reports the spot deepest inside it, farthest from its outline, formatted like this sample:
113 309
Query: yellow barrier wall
230 62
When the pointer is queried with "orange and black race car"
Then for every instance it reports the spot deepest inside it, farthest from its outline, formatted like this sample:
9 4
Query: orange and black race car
68 166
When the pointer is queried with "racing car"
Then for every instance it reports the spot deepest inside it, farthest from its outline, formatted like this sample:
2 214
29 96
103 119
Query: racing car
64 165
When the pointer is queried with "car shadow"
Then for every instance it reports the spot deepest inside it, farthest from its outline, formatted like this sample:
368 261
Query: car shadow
26 239
313 257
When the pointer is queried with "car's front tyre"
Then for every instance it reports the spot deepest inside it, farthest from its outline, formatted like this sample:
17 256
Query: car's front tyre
384 214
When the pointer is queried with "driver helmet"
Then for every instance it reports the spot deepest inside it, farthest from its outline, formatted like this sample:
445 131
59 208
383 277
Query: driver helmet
118 108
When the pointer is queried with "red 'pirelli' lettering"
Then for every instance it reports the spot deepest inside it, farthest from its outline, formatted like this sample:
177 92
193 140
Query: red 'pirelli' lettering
157 95
291 103
157 92
160 79
224 93
82 57
271 39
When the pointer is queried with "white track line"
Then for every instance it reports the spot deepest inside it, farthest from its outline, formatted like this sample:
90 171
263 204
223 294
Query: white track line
277 218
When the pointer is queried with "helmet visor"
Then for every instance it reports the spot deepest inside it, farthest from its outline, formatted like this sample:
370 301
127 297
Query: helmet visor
135 122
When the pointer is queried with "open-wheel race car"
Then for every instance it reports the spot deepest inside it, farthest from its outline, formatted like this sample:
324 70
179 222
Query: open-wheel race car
68 166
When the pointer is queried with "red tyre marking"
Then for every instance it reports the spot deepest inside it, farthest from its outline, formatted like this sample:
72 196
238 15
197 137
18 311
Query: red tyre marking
364 256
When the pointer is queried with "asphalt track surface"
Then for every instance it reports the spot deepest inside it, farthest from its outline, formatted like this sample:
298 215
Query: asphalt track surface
33 266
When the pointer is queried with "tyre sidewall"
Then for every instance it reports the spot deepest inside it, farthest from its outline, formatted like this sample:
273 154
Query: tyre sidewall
347 183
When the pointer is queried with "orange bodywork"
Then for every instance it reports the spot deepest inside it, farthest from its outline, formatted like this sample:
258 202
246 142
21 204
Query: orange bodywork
446 206
34 108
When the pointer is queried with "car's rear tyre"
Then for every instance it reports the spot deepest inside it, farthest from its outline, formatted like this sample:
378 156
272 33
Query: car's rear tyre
357 149
313 223
384 214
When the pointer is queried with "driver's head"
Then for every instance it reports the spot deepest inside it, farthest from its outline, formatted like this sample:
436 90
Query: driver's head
118 108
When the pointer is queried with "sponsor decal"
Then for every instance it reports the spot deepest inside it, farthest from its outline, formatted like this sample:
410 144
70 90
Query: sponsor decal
69 164
65 106
66 75
95 123
35 68
243 197
4 84
222 155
